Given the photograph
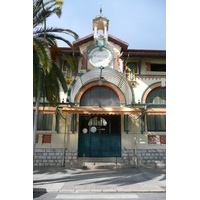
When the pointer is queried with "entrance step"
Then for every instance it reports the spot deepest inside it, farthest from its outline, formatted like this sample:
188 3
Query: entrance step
102 163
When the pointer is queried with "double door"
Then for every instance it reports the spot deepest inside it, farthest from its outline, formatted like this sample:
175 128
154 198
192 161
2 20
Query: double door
99 136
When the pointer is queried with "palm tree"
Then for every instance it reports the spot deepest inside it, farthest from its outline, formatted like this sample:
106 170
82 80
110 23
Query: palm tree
47 77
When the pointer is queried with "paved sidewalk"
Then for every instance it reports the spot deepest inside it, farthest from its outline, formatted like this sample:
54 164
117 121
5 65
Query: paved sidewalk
60 179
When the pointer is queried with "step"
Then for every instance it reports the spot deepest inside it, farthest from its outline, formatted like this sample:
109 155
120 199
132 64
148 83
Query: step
101 163
100 159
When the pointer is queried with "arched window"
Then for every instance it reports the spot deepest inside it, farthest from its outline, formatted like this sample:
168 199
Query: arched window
100 96
157 96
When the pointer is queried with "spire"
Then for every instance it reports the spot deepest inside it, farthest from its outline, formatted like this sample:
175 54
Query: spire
100 8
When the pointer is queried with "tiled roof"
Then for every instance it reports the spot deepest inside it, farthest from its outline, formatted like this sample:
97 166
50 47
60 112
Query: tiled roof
111 38
144 53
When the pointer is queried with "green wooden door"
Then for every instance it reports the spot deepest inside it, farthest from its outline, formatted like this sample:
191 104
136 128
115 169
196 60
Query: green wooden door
99 136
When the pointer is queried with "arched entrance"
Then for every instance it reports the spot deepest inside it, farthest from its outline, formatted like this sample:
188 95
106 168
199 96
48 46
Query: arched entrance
99 135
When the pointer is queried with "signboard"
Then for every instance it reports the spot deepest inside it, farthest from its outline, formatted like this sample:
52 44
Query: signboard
84 131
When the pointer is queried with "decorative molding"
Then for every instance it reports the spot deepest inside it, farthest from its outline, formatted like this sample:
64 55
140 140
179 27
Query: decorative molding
150 77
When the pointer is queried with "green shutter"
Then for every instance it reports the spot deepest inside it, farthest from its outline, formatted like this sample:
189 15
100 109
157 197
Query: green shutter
126 124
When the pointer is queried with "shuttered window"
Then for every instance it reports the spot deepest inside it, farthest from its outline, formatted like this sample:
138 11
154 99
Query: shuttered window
156 122
44 122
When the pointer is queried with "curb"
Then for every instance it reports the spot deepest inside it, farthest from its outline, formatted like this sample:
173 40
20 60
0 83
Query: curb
43 190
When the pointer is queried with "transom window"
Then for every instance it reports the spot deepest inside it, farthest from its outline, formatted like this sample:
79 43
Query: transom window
100 96
97 121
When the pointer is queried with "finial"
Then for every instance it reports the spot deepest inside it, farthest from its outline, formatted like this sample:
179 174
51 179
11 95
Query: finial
100 7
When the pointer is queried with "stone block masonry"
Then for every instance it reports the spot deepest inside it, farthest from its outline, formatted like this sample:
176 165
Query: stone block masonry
151 157
53 157
144 157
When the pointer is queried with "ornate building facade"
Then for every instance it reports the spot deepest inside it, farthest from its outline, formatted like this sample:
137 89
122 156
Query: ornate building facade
115 106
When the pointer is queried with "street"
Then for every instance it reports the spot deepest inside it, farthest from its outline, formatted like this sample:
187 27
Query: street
98 196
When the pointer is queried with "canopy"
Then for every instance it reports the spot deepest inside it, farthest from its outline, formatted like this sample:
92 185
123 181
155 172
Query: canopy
100 110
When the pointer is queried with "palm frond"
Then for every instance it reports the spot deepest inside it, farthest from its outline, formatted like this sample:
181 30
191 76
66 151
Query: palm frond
44 53
57 30
60 77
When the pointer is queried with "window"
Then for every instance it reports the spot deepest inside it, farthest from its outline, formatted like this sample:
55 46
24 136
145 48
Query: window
157 96
44 122
156 122
158 67
100 96
97 121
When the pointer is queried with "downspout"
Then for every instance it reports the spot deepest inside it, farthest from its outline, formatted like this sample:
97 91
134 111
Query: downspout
63 159
135 145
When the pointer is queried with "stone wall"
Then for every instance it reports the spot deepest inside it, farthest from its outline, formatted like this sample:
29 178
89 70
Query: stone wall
145 157
128 157
151 157
54 156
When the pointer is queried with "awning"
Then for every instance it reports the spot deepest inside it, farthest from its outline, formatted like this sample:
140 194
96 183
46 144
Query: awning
88 110
156 111
100 111
45 110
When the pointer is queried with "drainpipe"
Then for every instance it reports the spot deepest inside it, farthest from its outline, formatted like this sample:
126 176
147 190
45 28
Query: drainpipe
135 145
63 159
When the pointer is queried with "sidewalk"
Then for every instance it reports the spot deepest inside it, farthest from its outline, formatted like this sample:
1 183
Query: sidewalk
60 179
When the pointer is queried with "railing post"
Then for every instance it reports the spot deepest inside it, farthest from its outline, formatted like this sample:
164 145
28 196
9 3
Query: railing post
84 160
116 161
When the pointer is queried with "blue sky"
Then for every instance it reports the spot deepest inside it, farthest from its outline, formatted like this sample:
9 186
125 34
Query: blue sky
140 23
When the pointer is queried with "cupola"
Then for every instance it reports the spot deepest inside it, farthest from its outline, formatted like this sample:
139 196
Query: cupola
100 22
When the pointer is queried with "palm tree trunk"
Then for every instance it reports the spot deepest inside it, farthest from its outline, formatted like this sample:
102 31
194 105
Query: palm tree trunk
38 96
35 120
